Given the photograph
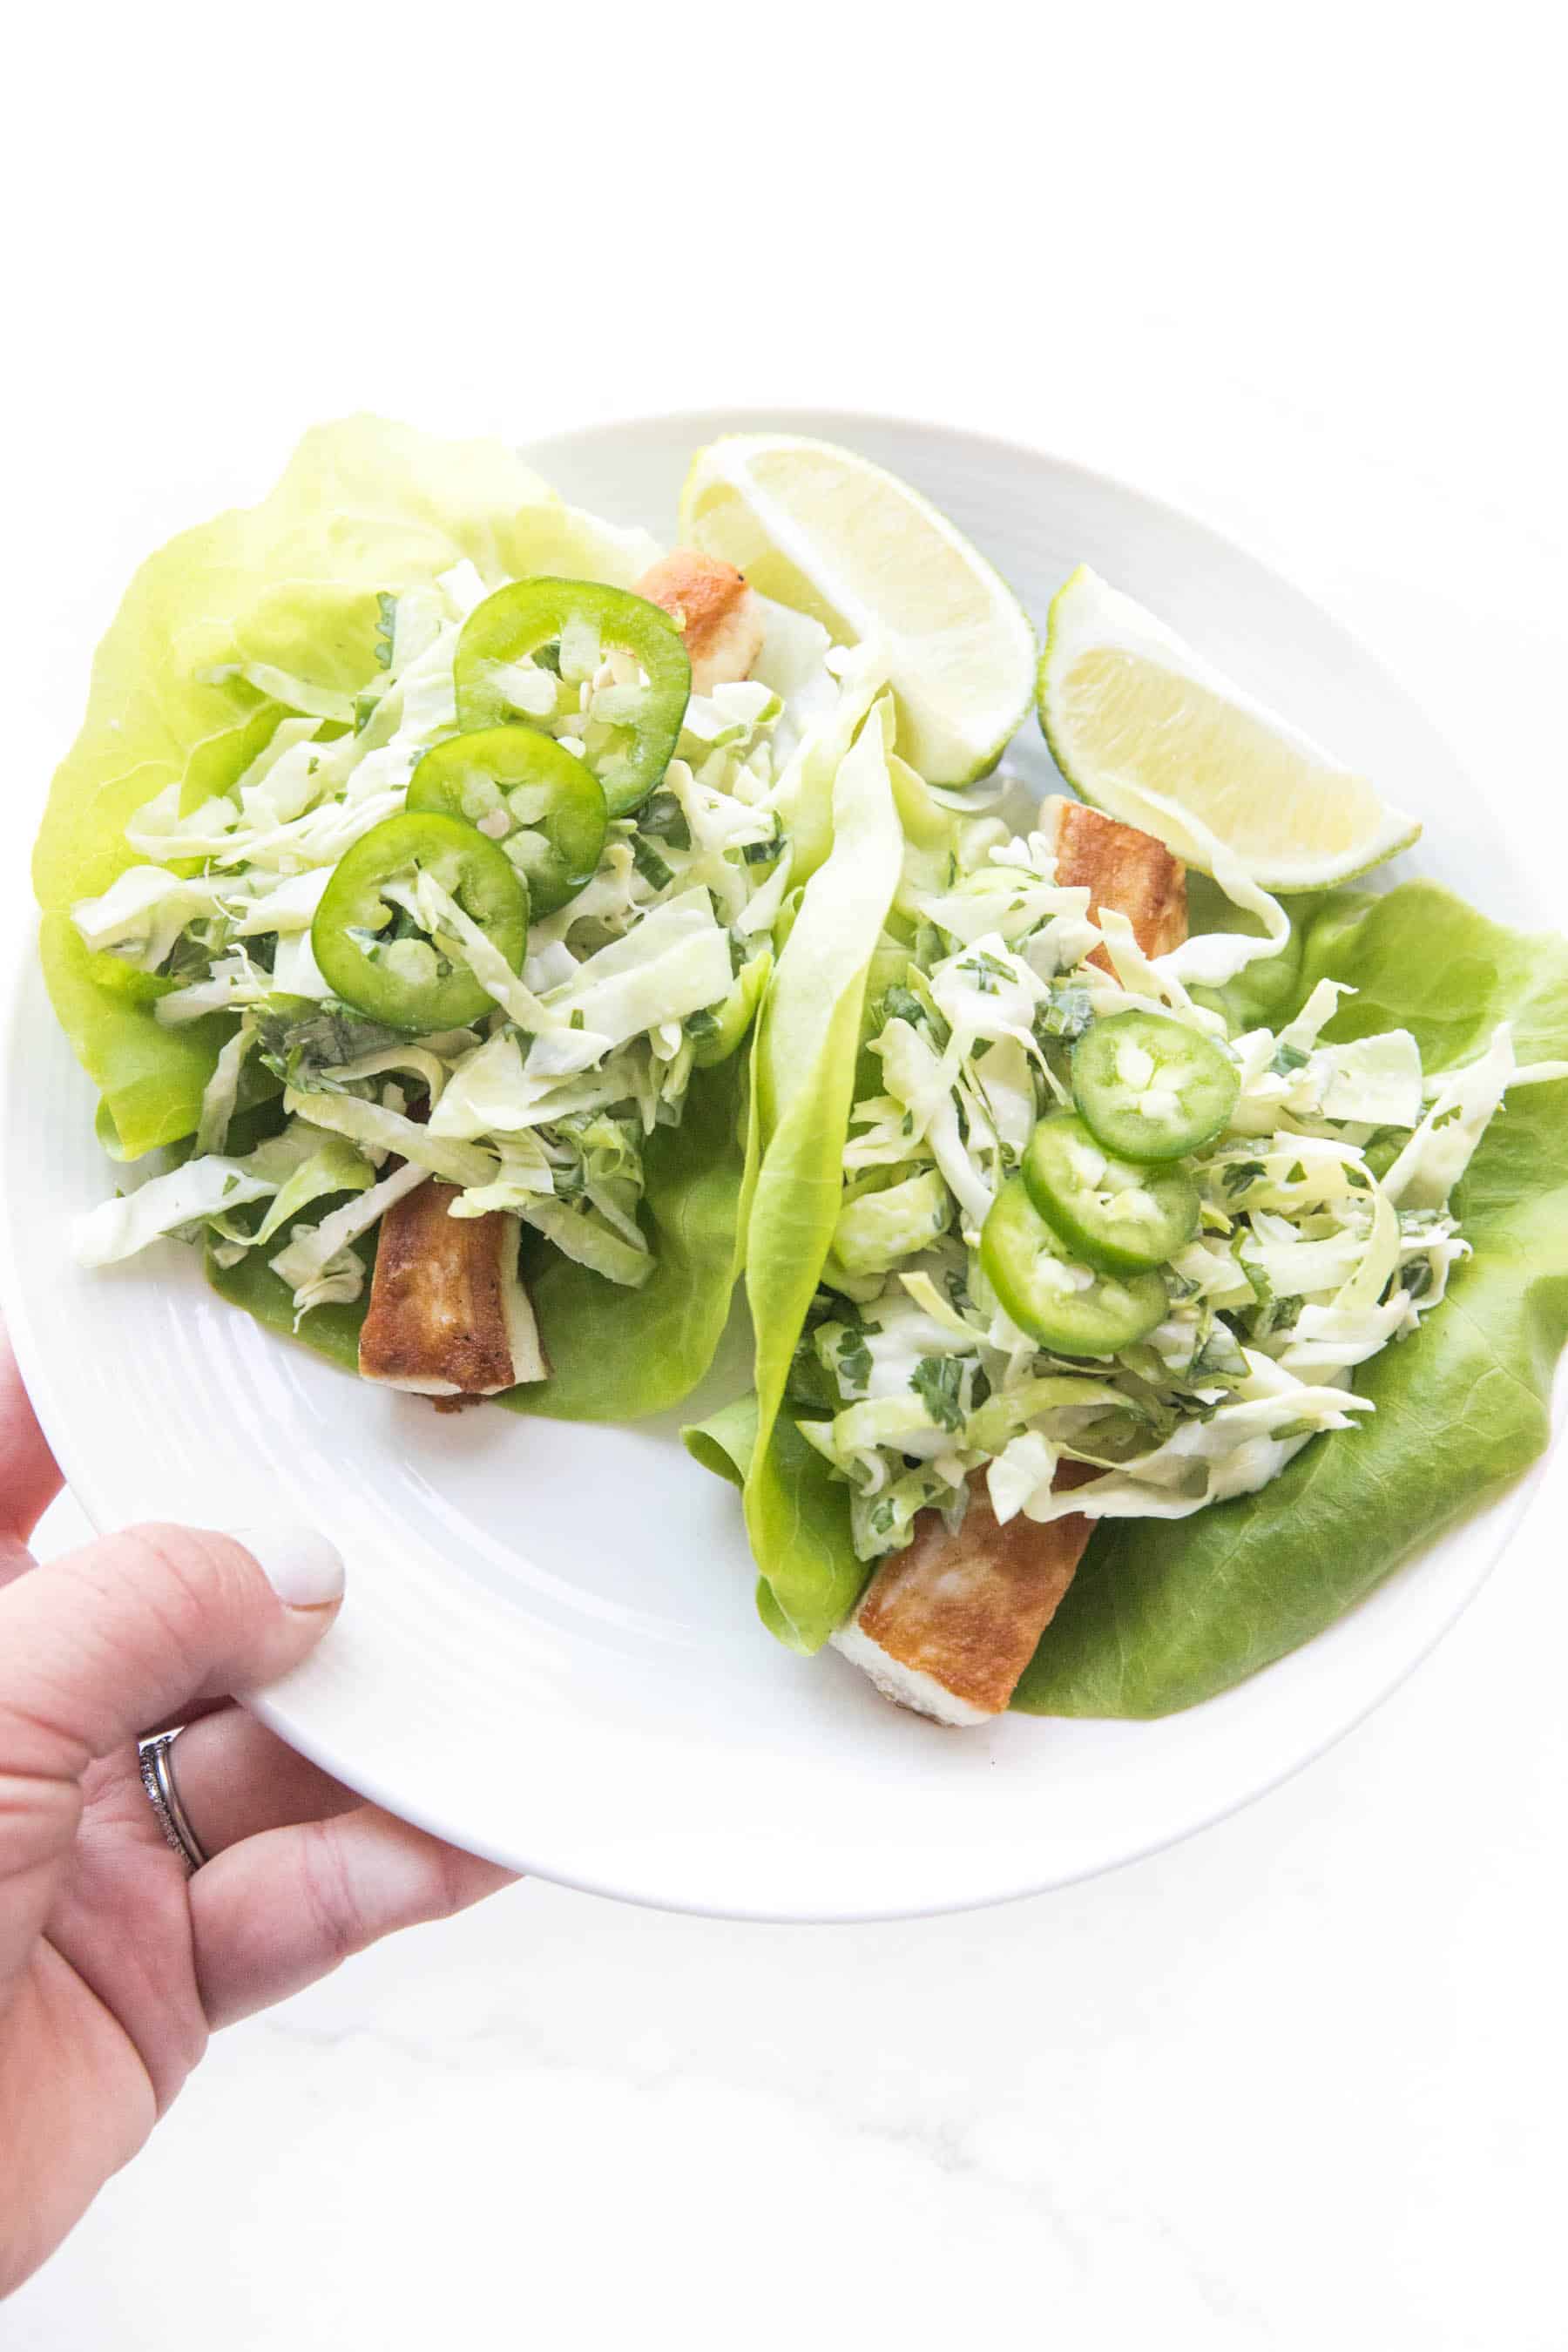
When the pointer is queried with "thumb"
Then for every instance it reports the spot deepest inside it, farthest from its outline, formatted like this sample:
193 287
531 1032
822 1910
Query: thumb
126 1632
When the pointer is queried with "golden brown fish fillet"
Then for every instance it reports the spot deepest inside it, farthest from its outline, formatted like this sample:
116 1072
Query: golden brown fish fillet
1120 868
719 618
947 1626
449 1313
949 1623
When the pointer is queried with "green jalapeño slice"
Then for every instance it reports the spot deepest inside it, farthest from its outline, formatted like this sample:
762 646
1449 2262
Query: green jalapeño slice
1119 1217
531 654
375 954
1149 1088
519 789
1066 1306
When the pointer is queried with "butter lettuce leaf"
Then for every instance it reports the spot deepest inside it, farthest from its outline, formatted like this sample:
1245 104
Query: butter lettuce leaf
617 1354
807 1042
1165 1614
292 586
332 1331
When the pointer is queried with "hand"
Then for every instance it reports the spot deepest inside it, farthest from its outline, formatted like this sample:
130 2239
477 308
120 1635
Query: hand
115 1964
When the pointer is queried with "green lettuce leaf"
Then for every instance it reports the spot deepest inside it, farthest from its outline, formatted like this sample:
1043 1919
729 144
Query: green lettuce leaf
726 1442
292 583
1164 1613
617 1354
807 1039
333 1331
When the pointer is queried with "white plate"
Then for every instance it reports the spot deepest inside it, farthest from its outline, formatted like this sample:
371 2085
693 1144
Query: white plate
549 1651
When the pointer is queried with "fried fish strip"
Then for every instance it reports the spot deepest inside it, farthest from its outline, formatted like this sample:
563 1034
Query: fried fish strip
719 616
947 1626
448 1312
1120 868
949 1623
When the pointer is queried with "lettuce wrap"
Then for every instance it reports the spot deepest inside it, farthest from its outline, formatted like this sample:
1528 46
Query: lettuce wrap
1165 1614
292 584
297 586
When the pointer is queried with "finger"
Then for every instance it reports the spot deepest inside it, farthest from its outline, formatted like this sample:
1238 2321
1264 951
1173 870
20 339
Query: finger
236 1779
119 1635
191 1710
277 1913
30 1479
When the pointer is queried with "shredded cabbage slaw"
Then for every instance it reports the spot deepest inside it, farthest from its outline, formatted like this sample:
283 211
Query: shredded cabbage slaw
1326 1231
541 1110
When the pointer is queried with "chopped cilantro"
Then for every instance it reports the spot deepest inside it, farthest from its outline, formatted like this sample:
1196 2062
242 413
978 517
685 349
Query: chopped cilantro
902 1005
1218 1352
1271 1312
1239 1174
649 864
937 1380
985 972
1065 1015
763 853
300 1050
663 819
854 1360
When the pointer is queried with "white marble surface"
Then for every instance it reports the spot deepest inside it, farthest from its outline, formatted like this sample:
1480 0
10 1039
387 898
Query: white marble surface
1302 2082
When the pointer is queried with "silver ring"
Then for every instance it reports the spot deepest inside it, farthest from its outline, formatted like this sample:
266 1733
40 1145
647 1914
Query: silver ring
158 1780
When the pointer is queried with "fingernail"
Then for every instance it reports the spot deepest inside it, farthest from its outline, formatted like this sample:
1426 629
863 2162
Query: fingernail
303 1567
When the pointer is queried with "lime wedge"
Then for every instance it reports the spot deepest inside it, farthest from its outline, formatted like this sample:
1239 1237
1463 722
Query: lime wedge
821 528
1128 709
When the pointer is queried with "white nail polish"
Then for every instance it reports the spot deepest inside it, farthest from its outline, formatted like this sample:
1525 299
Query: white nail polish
303 1567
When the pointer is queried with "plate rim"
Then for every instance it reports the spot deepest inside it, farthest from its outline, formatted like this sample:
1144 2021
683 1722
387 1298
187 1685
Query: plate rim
1502 1519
